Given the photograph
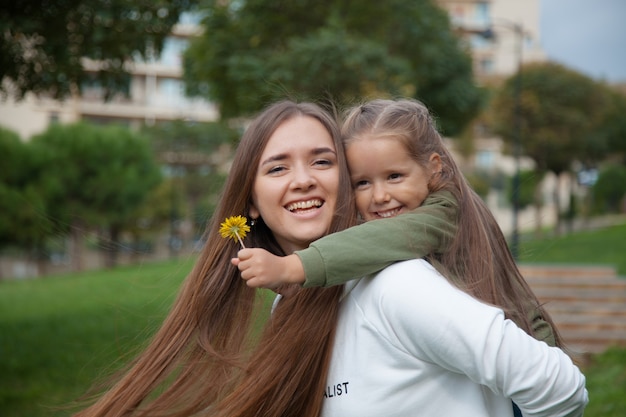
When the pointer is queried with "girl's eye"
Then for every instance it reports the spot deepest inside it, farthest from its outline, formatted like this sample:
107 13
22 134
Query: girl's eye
360 184
395 176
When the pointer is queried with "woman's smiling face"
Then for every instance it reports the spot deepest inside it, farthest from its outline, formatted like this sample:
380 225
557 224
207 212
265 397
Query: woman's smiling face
297 181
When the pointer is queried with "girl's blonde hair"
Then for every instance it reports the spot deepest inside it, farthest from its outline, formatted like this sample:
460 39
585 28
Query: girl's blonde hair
205 358
478 259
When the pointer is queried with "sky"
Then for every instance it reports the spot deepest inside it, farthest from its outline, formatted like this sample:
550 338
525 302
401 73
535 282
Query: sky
586 35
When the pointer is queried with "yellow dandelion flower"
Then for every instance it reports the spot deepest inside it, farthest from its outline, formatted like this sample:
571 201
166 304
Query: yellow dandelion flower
236 228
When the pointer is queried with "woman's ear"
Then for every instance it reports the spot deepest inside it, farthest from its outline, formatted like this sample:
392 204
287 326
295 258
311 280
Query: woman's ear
253 212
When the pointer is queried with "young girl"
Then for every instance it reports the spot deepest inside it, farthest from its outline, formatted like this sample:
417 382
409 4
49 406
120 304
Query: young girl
404 178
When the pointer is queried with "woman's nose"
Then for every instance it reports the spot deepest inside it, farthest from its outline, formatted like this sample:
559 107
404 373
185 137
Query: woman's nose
303 179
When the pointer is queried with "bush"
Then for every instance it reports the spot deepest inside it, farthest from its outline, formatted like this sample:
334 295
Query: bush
610 189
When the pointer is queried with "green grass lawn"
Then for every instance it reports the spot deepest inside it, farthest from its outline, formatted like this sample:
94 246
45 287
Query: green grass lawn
604 246
60 334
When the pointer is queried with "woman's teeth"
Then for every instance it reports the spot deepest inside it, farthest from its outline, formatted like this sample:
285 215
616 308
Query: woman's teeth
304 205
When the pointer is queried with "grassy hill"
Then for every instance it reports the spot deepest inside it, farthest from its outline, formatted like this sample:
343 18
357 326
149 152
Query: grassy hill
60 334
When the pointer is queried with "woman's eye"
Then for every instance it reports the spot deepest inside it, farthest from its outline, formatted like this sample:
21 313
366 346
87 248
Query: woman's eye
276 169
395 176
323 162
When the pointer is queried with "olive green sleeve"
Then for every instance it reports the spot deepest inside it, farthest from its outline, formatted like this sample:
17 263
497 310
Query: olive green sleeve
370 247
541 328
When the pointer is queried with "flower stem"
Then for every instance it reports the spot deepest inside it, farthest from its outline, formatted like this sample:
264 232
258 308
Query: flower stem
240 241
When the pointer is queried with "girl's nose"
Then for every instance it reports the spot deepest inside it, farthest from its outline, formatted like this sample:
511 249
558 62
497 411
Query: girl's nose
380 194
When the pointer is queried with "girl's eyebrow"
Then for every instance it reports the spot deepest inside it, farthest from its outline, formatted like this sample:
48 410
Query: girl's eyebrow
283 156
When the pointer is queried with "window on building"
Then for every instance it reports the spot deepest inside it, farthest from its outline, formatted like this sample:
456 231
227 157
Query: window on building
479 42
171 91
173 49
190 18
485 159
486 66
482 13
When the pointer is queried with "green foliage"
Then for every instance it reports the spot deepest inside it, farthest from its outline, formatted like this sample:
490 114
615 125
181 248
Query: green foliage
254 52
614 125
94 177
22 203
193 154
527 188
184 136
42 43
479 182
561 113
98 174
606 383
609 192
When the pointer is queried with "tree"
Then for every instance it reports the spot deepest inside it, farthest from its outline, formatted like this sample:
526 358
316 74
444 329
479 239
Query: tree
610 189
43 43
194 154
24 222
614 125
561 112
255 51
98 176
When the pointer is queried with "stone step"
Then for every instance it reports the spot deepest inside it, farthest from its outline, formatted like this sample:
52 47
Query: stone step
609 318
585 307
576 294
568 270
576 282
592 327
587 303
575 336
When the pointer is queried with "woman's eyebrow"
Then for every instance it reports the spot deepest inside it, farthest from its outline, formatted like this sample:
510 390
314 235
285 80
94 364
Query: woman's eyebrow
274 158
283 156
318 151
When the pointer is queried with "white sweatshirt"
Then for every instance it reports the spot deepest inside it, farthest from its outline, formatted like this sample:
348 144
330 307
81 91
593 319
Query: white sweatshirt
410 344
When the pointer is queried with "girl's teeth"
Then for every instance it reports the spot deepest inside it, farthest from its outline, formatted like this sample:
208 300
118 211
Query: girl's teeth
389 213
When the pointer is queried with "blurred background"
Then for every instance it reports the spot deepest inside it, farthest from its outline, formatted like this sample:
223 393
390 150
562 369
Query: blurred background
538 130
118 120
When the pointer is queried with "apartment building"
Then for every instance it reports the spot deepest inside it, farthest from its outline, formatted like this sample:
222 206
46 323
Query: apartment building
500 33
156 94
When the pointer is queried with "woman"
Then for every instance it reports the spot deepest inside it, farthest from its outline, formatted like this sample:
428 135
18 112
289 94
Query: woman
199 361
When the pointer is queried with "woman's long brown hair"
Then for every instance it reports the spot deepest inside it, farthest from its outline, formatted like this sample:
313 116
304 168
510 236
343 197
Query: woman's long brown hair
200 362
478 257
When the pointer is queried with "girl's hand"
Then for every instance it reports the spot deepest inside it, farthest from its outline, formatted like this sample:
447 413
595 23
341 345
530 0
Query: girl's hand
262 269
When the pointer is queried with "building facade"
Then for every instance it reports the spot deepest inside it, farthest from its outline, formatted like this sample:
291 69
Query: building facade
157 93
499 33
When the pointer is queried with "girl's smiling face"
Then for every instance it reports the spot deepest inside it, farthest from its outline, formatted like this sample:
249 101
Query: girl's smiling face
386 180
297 181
